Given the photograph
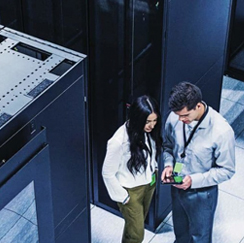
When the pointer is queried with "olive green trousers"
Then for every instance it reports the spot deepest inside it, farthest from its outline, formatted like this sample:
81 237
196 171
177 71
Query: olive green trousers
135 212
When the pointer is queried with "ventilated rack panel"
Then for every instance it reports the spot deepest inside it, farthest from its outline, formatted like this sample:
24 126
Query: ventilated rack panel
28 67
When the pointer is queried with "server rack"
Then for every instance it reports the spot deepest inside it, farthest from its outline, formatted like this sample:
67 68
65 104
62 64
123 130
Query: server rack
44 137
235 59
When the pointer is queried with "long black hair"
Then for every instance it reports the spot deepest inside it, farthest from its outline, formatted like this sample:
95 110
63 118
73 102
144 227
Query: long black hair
139 110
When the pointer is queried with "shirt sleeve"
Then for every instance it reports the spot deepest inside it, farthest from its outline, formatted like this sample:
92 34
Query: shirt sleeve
168 144
224 166
111 165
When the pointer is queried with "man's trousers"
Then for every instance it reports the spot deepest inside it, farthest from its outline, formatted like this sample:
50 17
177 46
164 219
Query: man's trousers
193 214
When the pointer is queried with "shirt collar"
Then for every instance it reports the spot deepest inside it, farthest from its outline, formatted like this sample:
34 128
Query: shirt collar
205 121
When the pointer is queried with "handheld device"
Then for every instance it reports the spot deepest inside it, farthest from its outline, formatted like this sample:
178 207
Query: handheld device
173 180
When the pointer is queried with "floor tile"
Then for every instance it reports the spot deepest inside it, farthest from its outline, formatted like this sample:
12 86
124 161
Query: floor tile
164 235
16 228
21 202
228 85
168 219
229 219
108 228
240 140
92 206
148 236
234 114
233 90
234 185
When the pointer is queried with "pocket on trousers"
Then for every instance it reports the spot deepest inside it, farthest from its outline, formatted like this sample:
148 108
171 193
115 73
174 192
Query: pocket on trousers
208 199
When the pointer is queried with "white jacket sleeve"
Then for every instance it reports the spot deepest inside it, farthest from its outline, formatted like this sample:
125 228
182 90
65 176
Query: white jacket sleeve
111 165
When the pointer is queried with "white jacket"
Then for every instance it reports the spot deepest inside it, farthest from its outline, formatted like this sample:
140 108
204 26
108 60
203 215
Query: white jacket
115 173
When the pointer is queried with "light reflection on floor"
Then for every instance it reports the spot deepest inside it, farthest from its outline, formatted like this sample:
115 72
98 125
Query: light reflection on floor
18 218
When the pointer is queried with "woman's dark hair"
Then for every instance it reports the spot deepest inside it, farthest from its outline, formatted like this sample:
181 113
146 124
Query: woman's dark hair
139 110
183 95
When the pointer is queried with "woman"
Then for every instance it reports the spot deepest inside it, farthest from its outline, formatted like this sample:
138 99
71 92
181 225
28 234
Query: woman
130 166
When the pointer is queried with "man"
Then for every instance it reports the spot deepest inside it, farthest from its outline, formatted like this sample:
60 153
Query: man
200 146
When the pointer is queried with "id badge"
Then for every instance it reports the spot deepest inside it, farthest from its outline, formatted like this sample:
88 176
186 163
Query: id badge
153 179
178 167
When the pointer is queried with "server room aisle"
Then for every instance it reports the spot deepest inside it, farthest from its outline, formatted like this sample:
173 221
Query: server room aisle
229 218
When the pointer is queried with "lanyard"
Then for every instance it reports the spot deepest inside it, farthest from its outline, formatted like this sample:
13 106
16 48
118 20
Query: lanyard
186 142
149 150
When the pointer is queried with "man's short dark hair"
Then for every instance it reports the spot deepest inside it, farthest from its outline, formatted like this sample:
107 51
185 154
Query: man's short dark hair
184 94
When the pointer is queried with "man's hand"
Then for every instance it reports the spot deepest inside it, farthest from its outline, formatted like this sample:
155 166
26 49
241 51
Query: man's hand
167 172
186 183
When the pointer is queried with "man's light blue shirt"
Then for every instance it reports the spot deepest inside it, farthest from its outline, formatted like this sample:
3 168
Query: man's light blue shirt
210 155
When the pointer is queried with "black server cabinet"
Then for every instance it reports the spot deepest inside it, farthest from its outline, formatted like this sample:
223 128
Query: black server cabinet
24 196
235 58
147 47
64 22
125 61
43 142
195 46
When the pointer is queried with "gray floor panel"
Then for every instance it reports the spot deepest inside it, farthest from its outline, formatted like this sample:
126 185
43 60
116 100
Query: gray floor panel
229 219
233 186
